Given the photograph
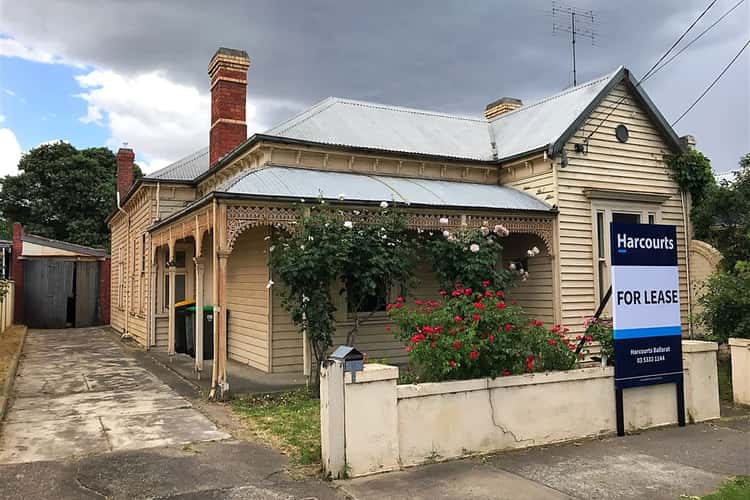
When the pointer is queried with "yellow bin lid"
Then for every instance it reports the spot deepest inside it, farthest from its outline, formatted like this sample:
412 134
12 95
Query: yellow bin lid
184 303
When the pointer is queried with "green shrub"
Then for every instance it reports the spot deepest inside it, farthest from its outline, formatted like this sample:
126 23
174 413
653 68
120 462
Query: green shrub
726 303
600 330
472 334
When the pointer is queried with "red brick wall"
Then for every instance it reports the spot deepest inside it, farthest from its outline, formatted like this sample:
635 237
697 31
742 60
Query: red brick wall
16 270
105 290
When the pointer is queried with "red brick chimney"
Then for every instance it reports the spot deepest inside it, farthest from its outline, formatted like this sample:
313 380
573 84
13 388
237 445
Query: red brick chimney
125 159
228 73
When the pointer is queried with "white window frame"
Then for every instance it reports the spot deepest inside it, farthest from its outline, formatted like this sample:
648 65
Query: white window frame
646 211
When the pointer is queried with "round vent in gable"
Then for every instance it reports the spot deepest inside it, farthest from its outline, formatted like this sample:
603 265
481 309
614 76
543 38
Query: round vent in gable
622 133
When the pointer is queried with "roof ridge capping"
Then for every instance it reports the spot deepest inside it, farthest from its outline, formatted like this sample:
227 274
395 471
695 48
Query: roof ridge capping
406 109
544 100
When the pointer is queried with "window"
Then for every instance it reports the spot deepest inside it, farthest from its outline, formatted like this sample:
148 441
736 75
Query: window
604 213
180 280
143 253
375 302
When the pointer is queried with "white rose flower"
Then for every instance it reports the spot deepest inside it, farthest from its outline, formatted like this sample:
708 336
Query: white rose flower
302 247
530 253
512 266
348 224
444 220
446 233
301 200
485 230
269 284
385 237
271 248
383 204
535 250
310 238
474 247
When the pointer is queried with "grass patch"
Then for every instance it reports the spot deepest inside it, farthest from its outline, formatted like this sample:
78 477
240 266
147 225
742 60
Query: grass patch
288 421
737 488
725 380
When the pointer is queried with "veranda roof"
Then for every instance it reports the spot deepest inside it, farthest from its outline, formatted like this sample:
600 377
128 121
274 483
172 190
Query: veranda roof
298 183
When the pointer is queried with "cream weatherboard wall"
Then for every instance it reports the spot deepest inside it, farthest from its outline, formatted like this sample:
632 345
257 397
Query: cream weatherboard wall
248 299
131 272
635 167
129 281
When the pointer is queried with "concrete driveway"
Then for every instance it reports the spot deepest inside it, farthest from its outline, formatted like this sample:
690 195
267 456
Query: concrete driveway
77 393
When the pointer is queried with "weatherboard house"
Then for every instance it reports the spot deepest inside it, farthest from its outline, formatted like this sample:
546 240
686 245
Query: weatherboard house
555 172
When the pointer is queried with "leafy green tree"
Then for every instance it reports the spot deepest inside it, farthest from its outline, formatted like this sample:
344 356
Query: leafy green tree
723 217
63 193
726 303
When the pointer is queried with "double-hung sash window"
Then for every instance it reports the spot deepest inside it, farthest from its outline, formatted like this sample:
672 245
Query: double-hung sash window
605 213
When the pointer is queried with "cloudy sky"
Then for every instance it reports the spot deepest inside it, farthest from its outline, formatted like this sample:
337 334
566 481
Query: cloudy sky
107 72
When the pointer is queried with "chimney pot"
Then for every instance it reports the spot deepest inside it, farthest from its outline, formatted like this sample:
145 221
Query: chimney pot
228 73
500 106
125 163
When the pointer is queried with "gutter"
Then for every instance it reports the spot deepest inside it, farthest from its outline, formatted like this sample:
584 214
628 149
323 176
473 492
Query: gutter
217 195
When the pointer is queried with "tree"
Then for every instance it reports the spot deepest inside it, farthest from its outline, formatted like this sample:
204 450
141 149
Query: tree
63 193
723 217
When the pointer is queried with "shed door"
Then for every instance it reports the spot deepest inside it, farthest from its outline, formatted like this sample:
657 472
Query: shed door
86 293
48 284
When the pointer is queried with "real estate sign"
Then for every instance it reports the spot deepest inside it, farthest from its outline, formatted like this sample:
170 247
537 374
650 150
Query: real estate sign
646 305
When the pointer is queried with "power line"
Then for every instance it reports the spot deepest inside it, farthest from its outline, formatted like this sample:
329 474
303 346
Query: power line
712 83
638 83
691 42
678 40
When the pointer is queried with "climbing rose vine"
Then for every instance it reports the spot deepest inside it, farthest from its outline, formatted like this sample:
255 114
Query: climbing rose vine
473 333
468 256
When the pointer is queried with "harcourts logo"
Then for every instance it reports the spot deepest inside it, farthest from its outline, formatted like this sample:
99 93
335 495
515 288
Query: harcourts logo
625 242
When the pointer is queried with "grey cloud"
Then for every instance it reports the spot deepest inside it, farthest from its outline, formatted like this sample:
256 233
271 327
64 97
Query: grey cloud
452 56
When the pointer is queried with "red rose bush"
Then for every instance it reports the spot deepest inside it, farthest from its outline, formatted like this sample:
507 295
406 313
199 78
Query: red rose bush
477 333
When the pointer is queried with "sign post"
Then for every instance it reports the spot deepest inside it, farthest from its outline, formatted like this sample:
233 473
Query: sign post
646 311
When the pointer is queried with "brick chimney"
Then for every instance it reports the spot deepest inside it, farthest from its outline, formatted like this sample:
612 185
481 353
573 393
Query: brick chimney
688 141
502 105
228 73
125 159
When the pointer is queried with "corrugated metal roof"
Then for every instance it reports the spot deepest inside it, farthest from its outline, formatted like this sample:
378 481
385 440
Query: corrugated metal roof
184 169
539 124
287 182
345 122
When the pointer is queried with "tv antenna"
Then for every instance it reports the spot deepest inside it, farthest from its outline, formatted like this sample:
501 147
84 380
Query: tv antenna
579 23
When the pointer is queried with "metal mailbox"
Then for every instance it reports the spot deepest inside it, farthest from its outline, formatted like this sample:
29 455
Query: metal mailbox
353 360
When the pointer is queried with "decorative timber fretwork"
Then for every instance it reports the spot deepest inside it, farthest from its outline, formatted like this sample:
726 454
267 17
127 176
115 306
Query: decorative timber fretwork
242 217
